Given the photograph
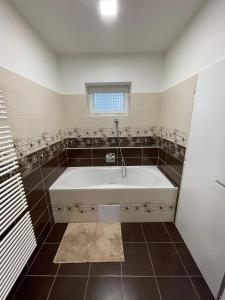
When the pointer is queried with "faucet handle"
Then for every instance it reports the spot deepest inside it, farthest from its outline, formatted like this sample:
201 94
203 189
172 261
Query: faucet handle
110 158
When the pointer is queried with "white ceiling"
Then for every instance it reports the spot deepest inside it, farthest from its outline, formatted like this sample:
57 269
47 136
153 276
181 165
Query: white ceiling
75 26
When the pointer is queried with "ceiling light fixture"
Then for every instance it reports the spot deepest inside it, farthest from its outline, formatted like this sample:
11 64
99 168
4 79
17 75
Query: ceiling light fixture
108 7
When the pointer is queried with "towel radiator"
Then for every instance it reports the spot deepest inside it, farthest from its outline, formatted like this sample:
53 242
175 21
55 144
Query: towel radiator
17 239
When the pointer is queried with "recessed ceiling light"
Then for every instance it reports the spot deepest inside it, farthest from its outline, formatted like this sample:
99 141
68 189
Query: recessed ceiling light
108 7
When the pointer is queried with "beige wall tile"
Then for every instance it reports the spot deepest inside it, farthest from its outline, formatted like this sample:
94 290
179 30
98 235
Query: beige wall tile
176 105
32 109
144 111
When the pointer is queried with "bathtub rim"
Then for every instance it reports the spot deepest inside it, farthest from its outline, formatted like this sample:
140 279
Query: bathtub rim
115 187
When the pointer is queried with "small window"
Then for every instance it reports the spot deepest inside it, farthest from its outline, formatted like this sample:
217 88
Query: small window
108 99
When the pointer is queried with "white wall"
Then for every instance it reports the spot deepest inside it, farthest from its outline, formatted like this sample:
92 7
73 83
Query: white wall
144 70
200 45
23 52
201 205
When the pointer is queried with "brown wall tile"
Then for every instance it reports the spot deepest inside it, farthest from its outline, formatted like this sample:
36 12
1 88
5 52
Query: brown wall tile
176 164
32 179
150 152
101 153
150 161
131 152
79 153
48 167
80 162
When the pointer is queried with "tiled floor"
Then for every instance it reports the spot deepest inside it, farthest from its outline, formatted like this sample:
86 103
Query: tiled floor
158 266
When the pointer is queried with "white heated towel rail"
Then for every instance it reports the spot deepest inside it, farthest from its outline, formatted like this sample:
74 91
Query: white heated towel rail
8 160
15 250
12 201
3 113
17 239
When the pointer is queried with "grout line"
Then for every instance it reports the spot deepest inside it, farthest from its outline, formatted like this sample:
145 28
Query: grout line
40 248
157 284
43 230
88 277
185 269
36 203
53 282
40 164
171 168
40 217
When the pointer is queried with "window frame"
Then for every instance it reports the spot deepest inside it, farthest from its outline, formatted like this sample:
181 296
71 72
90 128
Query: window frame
101 88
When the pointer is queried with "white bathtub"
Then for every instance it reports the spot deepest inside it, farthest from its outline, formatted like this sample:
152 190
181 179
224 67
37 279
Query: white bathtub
144 195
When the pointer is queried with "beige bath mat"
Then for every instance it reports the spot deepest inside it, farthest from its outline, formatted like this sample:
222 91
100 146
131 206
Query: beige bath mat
91 242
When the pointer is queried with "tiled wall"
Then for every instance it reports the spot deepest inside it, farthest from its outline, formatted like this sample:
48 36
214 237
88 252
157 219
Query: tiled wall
36 185
96 156
41 168
171 162
167 155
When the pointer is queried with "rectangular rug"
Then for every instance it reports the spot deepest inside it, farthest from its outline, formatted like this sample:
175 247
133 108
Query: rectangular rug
91 242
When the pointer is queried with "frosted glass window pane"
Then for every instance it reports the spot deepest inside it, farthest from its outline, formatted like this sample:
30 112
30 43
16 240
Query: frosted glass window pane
108 101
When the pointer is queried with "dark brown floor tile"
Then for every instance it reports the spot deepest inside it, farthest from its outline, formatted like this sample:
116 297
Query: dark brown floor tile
110 268
44 233
104 288
74 269
155 232
176 288
56 233
35 288
43 263
69 288
140 288
137 260
202 288
165 260
132 232
17 284
187 259
173 232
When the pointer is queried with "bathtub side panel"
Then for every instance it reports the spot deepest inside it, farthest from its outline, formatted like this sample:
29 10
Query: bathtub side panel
137 205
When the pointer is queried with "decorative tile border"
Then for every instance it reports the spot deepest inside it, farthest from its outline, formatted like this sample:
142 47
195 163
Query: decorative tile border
84 208
30 162
33 152
97 137
29 144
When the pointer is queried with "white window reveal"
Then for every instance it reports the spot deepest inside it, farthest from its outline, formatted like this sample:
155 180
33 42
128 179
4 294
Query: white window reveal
108 98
